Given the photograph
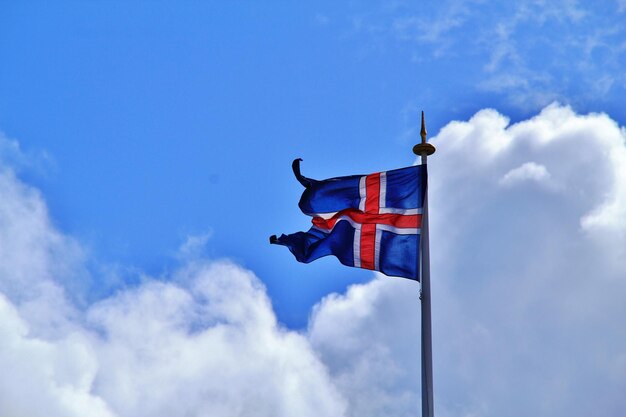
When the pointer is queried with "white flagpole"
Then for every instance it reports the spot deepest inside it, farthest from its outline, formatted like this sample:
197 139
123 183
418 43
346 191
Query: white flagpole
424 149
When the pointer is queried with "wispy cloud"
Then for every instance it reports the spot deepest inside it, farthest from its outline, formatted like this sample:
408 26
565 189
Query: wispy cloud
551 45
16 159
194 246
527 52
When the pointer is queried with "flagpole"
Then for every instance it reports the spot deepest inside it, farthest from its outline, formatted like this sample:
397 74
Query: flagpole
424 149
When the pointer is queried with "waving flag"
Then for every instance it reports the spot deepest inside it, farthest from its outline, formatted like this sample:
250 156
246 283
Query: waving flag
366 221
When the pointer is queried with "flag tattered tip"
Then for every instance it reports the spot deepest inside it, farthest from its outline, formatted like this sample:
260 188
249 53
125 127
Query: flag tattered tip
295 166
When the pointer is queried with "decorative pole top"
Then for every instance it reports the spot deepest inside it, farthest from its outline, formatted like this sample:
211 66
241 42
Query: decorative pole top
424 148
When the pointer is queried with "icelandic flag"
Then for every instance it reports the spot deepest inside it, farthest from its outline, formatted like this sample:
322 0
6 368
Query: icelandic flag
366 221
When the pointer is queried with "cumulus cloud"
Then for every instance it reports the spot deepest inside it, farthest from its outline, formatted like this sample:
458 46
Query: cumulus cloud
527 290
369 339
212 347
209 345
43 377
203 341
528 287
529 171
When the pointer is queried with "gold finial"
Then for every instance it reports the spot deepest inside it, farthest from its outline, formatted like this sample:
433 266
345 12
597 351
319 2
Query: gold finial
424 148
423 132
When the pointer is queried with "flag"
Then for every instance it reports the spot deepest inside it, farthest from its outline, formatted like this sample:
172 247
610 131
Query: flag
366 221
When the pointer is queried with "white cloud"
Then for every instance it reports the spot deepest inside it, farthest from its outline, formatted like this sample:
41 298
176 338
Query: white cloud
162 349
528 304
528 290
45 378
204 343
369 339
529 171
32 254
208 346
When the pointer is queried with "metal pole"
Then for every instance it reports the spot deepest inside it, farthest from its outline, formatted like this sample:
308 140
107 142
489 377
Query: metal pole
427 349
424 149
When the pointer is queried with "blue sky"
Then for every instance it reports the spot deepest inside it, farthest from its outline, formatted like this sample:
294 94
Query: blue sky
157 134
192 113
